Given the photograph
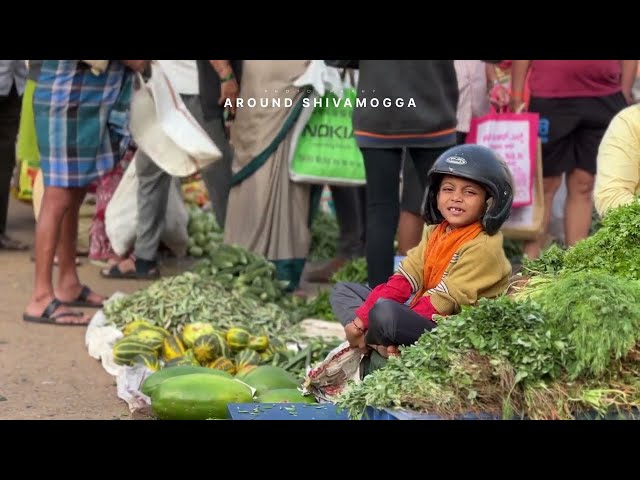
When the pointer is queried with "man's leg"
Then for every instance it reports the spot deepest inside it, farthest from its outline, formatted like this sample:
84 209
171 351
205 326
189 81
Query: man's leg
597 116
153 195
217 177
351 226
577 216
57 203
411 224
69 286
533 248
383 209
349 213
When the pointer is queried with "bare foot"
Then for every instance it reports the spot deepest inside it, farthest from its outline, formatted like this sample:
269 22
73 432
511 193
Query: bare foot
52 311
382 350
116 260
130 268
126 265
393 351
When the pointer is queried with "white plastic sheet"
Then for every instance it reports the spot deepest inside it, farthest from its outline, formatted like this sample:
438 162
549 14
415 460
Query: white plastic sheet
99 340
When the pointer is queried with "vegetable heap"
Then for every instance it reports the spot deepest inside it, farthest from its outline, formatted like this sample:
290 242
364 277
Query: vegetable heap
562 345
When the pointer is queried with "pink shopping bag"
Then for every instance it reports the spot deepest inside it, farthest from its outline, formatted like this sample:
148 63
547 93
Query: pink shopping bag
513 136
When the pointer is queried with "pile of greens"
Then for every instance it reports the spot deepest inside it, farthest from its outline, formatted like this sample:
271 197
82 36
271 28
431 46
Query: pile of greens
613 248
551 261
355 270
565 346
173 302
319 307
205 235
513 249
324 236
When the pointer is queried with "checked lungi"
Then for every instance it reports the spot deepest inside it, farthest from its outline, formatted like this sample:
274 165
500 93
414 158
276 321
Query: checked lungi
81 120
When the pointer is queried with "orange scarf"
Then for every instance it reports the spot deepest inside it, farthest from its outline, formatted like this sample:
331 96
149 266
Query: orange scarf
441 247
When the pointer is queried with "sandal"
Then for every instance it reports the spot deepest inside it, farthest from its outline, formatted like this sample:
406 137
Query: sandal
48 316
114 272
82 300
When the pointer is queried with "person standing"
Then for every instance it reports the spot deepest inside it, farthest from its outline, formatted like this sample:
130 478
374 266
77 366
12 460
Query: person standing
81 116
154 184
219 81
475 79
13 77
268 214
421 117
576 101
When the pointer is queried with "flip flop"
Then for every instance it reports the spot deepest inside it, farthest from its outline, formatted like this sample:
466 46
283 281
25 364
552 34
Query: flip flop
115 272
82 300
48 317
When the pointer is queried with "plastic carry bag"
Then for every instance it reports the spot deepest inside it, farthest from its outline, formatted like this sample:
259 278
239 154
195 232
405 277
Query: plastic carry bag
324 150
121 216
164 129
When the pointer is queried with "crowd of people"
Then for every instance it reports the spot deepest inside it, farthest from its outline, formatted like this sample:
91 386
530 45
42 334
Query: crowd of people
419 170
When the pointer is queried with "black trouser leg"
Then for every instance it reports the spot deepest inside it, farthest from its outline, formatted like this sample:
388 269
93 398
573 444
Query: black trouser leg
393 323
383 204
383 209
9 122
351 221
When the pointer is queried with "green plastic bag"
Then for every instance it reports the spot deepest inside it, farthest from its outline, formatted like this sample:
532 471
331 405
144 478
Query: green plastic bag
27 147
326 150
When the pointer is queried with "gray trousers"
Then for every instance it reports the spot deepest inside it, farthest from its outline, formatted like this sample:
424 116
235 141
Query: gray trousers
153 194
345 298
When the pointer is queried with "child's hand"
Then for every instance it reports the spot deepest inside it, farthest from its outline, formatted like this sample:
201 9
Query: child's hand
354 333
386 352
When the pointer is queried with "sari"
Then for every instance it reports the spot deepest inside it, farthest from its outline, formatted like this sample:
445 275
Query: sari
267 213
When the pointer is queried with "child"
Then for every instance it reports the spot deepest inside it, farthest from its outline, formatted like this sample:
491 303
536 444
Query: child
460 259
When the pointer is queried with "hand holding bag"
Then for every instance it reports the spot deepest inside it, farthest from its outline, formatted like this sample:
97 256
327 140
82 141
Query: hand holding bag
165 130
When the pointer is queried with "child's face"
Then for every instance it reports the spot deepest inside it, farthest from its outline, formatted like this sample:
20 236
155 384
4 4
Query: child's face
460 201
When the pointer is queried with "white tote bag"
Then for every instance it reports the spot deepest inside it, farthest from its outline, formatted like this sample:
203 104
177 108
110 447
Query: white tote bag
164 129
121 216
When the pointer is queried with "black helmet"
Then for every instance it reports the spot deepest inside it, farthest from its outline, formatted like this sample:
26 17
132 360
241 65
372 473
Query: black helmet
477 163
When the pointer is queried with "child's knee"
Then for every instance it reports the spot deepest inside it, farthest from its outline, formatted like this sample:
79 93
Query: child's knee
339 291
383 316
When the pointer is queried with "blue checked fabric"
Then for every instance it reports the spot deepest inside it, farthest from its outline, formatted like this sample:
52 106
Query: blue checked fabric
81 120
